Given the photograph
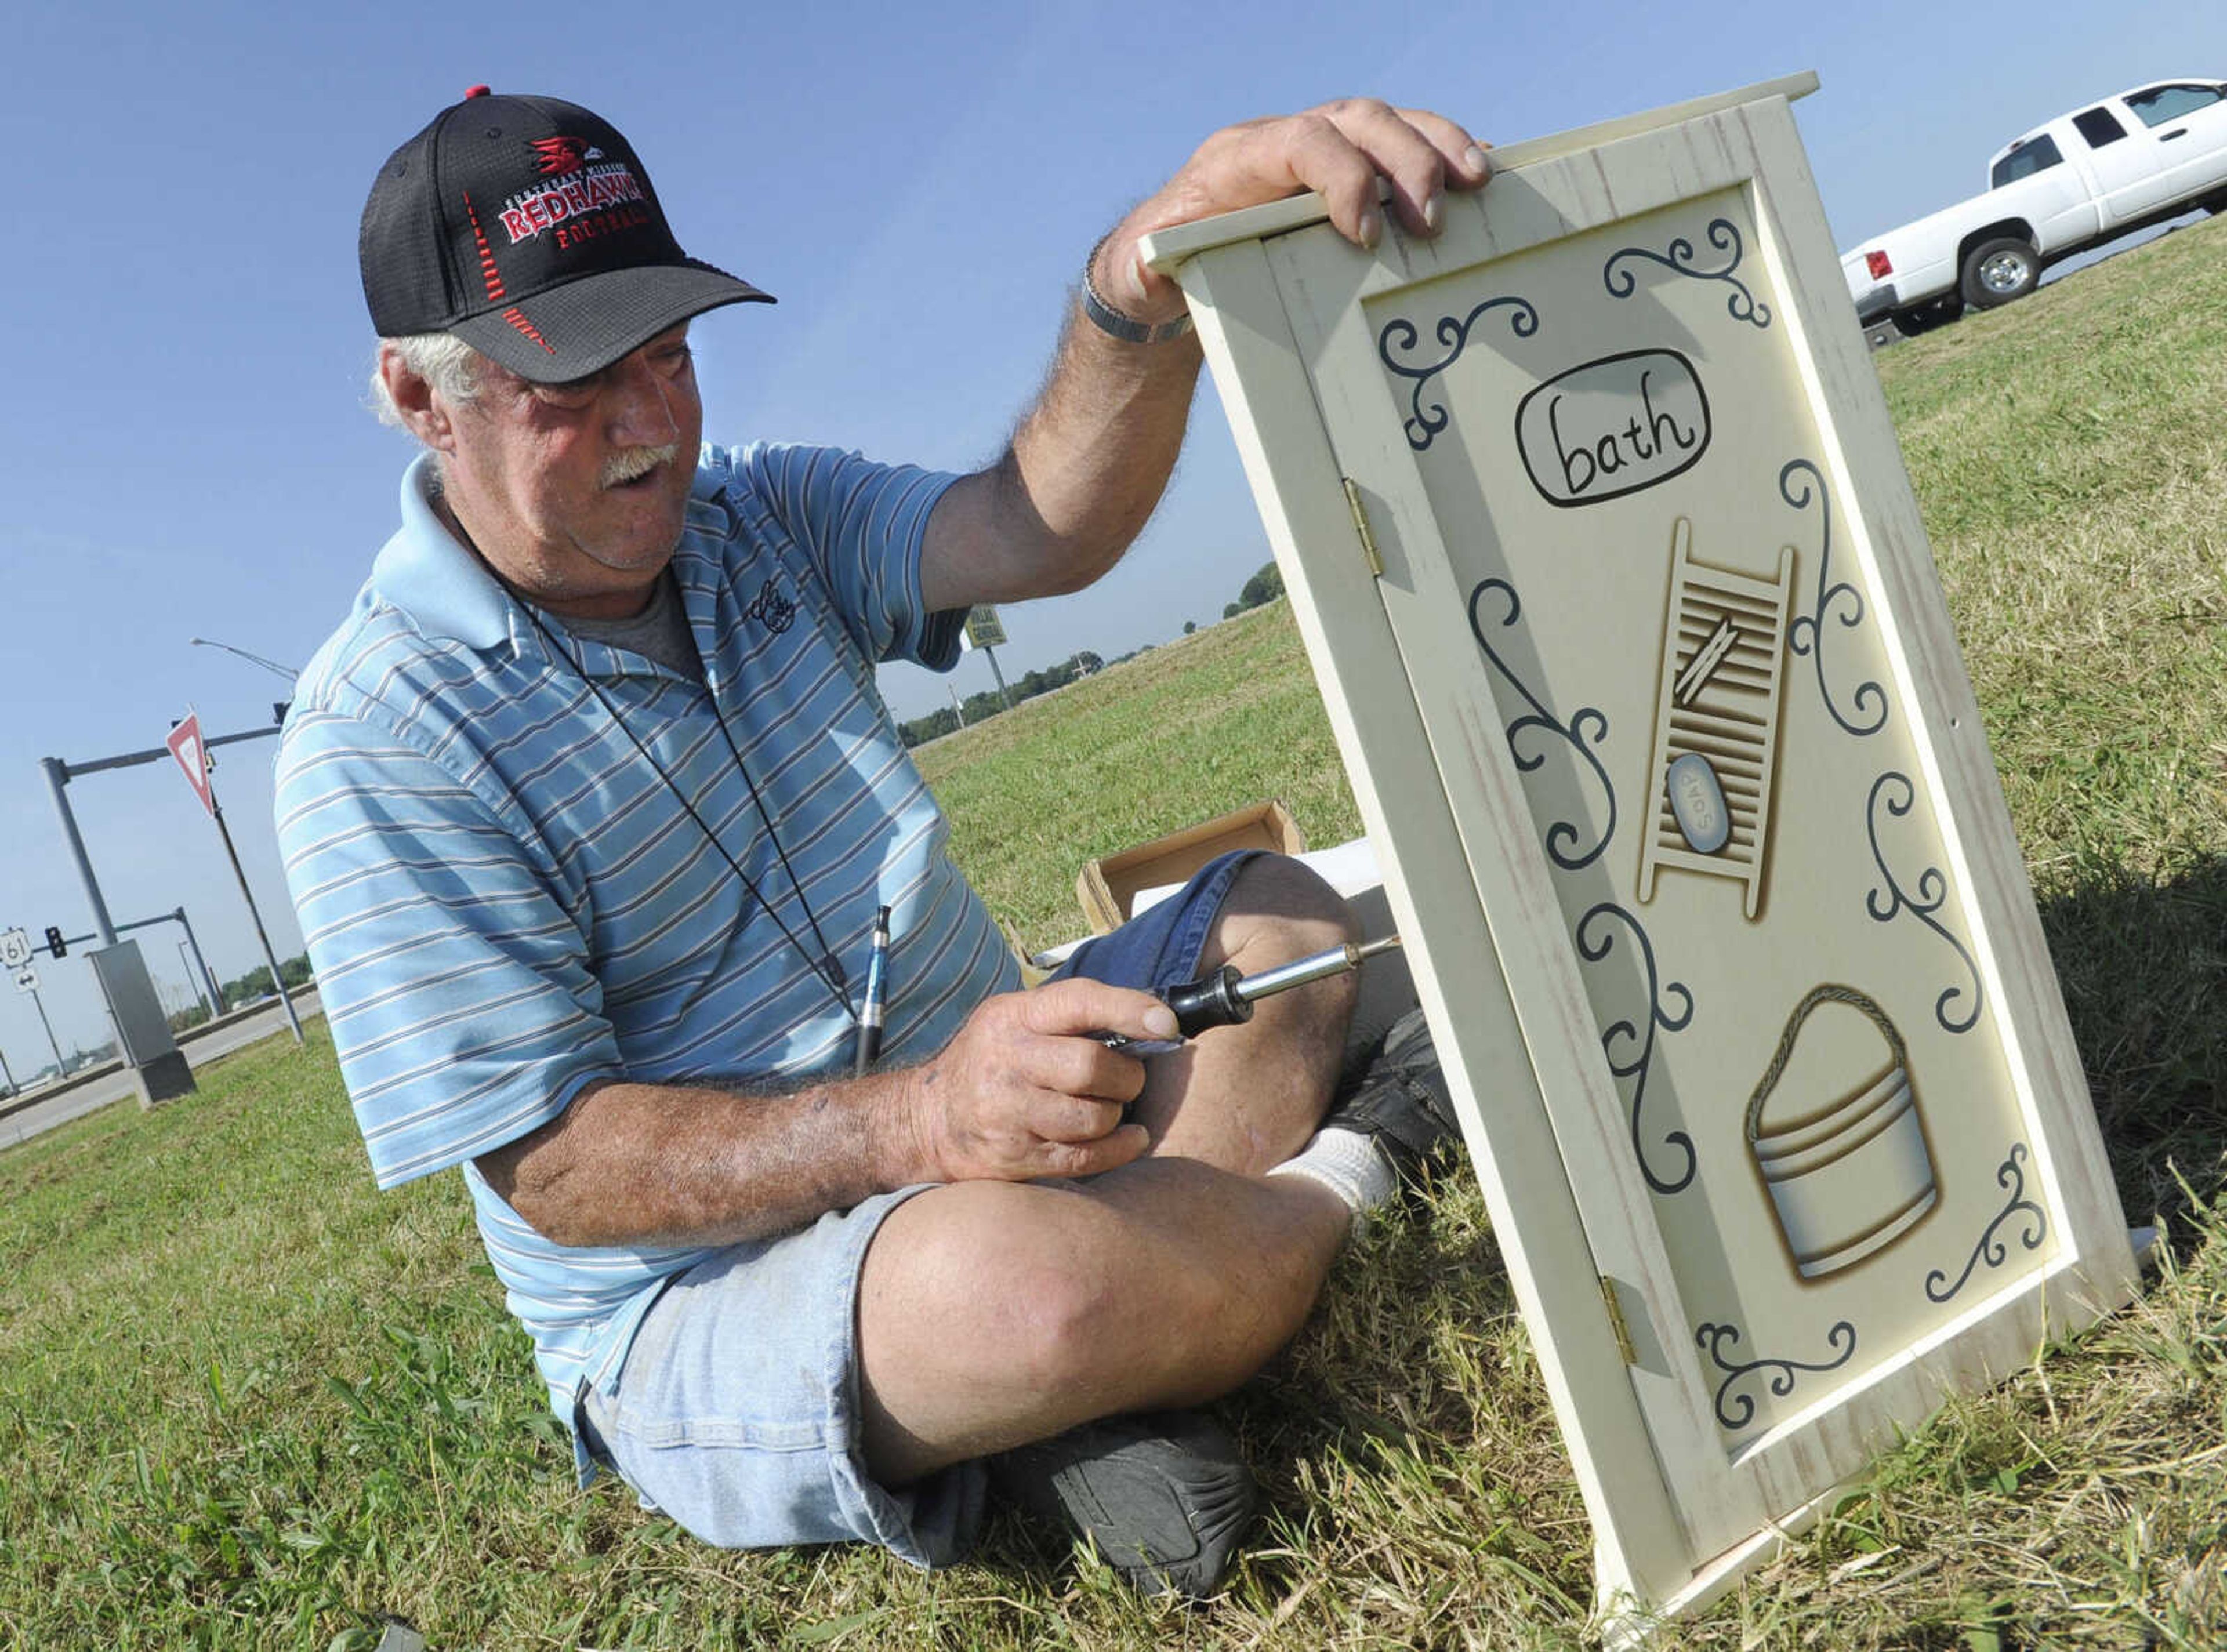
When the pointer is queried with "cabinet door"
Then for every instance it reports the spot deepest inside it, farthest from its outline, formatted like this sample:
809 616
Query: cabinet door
1654 585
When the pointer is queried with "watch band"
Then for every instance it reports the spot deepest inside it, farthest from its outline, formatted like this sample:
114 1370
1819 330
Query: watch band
1127 328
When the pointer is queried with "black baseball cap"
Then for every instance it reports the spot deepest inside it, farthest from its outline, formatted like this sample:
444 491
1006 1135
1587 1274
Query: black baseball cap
526 227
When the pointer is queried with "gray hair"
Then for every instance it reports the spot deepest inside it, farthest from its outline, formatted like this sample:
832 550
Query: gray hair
441 360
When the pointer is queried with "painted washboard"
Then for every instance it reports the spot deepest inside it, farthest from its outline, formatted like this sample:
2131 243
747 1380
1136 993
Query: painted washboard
1716 721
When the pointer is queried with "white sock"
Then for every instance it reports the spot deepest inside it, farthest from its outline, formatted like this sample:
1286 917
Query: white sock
1347 1163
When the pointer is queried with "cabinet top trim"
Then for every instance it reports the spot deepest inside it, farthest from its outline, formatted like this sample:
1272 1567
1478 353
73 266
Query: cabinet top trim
1165 249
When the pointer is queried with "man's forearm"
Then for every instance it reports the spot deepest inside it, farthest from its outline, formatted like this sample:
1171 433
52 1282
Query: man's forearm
1085 469
1026 1088
1094 453
666 1164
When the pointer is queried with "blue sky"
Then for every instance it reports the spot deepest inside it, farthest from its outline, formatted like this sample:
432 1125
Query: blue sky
186 449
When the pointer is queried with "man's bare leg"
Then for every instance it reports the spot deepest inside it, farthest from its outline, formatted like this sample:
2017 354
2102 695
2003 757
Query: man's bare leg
995 1313
992 1314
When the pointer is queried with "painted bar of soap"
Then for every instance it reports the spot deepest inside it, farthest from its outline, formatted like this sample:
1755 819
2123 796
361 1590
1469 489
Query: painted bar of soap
1697 803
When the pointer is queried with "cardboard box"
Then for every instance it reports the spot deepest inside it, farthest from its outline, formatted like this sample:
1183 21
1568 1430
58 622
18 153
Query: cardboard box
1108 885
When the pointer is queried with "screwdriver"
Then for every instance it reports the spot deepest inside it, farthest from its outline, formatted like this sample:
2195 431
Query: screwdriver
1225 997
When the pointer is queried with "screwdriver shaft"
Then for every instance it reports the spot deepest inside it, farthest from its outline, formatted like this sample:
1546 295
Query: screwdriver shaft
1336 961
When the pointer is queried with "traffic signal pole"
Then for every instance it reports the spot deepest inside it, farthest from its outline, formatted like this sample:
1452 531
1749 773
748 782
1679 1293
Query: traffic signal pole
58 775
165 1073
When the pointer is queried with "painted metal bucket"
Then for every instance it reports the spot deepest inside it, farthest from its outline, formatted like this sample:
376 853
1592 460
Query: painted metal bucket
1849 1177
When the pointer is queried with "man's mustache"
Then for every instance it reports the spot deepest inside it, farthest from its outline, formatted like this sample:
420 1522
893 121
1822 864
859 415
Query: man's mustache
626 465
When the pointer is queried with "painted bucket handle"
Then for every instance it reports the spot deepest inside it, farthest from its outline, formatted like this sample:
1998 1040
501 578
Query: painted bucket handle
1826 994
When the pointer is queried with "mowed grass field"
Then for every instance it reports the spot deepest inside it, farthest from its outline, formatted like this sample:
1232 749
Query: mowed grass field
244 1400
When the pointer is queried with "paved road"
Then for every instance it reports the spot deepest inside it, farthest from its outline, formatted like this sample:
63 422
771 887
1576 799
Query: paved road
81 1098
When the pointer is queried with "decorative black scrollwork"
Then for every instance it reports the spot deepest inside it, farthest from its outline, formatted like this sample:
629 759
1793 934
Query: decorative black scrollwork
1713 1341
1991 1250
1595 941
1453 332
1582 732
1883 904
1740 304
1806 635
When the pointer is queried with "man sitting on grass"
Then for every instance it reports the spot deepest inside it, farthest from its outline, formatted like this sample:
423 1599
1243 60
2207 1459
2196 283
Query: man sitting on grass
587 809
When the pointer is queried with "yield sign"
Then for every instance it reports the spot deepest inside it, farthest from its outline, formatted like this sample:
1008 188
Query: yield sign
185 744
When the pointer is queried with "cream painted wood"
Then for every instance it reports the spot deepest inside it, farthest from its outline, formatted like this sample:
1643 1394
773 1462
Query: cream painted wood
1639 1549
1531 944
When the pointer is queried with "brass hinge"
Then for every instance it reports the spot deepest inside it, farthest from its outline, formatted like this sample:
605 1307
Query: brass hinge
1361 526
1616 1322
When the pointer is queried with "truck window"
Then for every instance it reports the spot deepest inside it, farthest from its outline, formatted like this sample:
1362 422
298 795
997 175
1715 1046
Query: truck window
2161 104
2099 126
2037 156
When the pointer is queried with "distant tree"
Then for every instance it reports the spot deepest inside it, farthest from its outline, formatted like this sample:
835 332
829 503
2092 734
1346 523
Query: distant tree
921 730
1231 610
1190 625
242 989
1266 586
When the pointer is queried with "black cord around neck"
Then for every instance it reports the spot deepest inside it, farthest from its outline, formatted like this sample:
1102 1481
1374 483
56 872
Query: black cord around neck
826 966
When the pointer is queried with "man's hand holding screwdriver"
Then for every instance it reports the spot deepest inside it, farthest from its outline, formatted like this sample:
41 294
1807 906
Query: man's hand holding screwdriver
1028 1088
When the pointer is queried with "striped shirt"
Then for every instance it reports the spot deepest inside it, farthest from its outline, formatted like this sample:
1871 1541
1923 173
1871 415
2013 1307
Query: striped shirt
505 901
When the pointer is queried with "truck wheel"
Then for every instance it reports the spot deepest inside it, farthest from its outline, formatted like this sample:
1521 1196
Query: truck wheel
1999 270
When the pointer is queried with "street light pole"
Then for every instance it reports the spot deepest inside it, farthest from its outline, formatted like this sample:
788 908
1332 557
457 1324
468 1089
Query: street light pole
193 981
214 995
253 658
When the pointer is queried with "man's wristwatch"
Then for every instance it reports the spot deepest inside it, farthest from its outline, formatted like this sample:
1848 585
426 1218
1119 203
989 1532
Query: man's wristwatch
1113 322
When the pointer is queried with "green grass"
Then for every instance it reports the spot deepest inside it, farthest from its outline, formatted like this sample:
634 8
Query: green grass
245 1400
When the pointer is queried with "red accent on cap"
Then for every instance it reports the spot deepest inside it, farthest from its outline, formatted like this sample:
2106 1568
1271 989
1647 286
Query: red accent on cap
478 92
488 272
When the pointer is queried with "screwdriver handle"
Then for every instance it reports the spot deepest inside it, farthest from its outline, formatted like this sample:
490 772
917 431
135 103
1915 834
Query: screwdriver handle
1210 1001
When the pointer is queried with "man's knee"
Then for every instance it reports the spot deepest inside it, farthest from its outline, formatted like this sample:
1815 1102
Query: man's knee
1002 1275
1053 1290
1274 896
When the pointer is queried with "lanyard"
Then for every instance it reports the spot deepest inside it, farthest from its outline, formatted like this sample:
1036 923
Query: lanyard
825 964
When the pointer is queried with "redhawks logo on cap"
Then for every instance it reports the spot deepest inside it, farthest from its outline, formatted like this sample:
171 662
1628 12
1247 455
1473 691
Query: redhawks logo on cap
562 154
592 201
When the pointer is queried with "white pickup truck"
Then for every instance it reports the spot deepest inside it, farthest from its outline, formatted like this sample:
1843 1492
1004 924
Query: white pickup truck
2087 177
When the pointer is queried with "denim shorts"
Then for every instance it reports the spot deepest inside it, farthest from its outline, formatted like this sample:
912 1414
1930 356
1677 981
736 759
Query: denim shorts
738 1412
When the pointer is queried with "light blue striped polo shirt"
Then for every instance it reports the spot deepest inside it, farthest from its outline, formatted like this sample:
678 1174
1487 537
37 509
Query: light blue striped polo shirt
504 902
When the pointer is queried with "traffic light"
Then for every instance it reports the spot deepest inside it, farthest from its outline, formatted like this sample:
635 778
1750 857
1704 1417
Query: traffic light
55 944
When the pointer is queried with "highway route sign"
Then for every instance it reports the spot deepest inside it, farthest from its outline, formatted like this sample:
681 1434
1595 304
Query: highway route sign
14 949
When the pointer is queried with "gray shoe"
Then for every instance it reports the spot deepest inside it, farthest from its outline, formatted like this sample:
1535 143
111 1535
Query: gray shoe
1401 1101
1163 1495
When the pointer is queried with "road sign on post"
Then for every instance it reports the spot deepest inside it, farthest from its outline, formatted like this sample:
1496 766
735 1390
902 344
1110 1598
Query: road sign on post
14 949
27 978
185 744
984 628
